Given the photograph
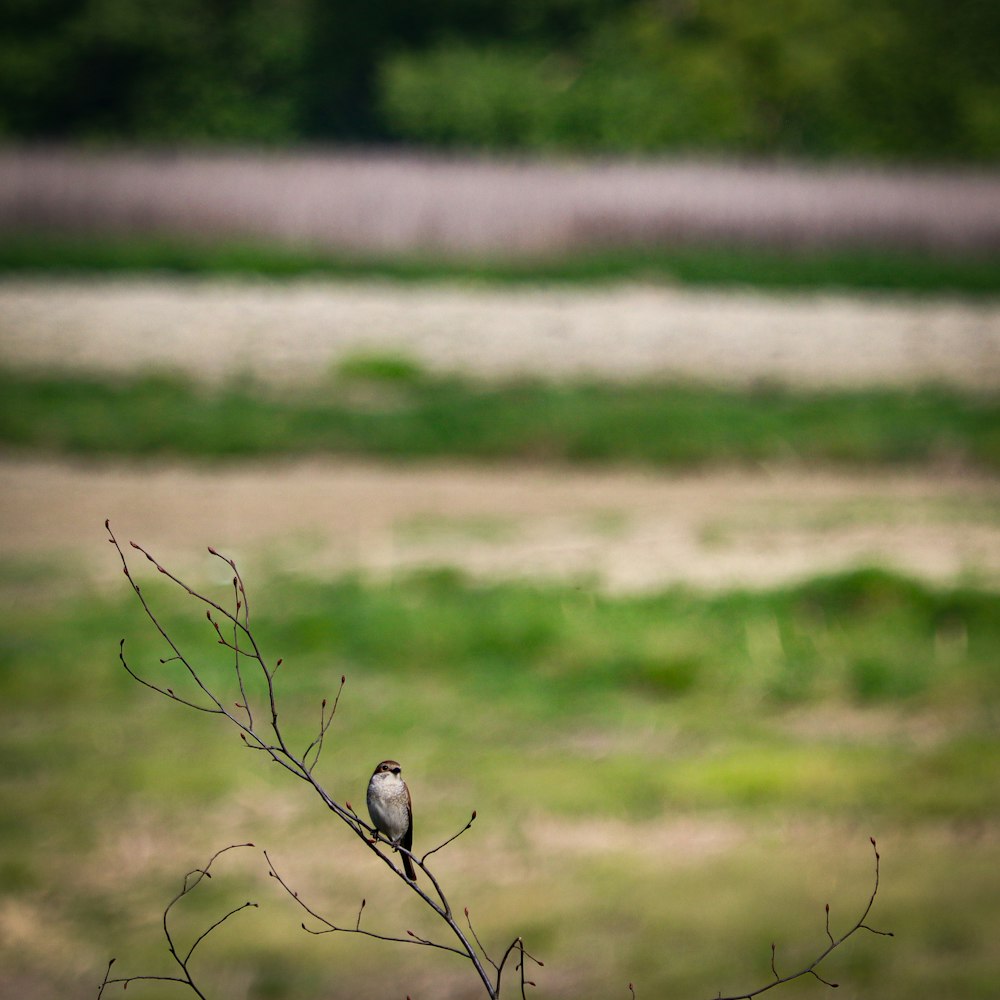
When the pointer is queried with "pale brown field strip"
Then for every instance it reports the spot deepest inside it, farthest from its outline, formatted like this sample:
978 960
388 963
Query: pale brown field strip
288 332
620 531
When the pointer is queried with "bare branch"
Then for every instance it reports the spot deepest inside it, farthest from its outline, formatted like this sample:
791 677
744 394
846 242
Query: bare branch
472 931
316 746
191 881
434 850
246 651
810 969
329 927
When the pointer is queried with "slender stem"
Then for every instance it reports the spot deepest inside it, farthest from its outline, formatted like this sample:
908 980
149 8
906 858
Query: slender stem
810 969
245 647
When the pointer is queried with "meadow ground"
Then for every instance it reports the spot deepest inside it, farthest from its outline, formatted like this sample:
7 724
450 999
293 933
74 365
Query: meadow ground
678 729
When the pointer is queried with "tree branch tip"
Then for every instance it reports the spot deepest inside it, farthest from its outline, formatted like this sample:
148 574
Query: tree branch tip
412 935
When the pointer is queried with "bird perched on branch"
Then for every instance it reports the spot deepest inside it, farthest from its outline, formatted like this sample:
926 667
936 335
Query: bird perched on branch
391 809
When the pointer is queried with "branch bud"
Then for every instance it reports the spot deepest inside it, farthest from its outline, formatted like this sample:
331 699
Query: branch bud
466 913
412 935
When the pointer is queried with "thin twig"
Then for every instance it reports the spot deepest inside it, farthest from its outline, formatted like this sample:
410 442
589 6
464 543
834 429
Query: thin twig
246 650
329 927
434 850
810 969
191 881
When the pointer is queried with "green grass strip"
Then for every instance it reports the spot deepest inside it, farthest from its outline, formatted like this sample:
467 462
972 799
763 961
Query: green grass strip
401 414
696 265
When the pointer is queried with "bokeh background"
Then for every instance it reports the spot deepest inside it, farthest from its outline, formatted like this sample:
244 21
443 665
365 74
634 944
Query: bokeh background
608 390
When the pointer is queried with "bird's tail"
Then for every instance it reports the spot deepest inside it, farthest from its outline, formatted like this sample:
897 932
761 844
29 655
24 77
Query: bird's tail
408 868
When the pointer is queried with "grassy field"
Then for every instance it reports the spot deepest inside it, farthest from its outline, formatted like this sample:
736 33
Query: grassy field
665 784
885 270
386 407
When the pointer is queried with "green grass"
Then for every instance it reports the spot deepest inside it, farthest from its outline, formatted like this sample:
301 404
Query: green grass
545 708
550 660
696 265
399 413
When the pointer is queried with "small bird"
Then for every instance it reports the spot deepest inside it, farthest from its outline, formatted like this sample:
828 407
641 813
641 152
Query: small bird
391 809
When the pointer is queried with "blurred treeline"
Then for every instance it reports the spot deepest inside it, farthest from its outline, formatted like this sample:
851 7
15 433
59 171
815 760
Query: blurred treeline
872 79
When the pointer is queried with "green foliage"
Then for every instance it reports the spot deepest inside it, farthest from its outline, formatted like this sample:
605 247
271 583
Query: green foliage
191 70
883 78
406 415
379 368
694 265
